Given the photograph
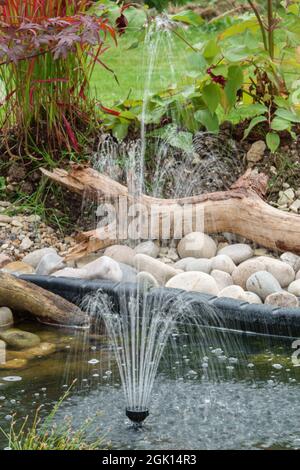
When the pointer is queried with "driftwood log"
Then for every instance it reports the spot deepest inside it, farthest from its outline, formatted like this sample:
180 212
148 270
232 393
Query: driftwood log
46 307
240 210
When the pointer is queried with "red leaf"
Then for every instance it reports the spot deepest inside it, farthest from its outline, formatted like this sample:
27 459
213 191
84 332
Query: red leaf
71 134
110 111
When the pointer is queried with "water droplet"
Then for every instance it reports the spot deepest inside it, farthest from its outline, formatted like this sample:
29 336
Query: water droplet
93 361
12 378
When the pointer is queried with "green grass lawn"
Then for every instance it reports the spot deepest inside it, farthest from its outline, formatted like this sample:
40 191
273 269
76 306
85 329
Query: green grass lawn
172 59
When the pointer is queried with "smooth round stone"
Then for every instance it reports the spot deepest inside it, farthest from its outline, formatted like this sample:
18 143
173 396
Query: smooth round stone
13 364
129 274
4 260
232 292
162 272
282 299
42 350
19 339
18 267
120 253
194 281
35 256
222 278
197 245
263 283
238 252
202 264
182 263
251 298
291 259
294 288
283 272
148 248
6 317
101 268
146 280
280 270
50 263
223 263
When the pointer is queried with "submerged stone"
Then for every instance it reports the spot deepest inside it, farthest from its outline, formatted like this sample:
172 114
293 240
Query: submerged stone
19 339
6 317
13 364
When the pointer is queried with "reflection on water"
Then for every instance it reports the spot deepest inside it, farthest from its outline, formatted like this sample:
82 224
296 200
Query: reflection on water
219 390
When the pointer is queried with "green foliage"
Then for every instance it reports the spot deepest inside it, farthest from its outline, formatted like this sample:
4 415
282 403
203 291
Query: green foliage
44 434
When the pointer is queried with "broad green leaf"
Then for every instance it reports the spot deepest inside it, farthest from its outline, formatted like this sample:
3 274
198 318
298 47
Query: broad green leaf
279 124
288 115
210 121
211 49
211 95
273 141
239 28
236 53
234 83
188 17
127 115
120 131
253 123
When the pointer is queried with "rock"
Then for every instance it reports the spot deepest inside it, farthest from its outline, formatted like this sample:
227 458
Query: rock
194 281
251 298
159 270
280 270
291 259
182 263
18 267
148 248
202 264
282 299
295 206
222 278
146 280
13 364
34 219
102 268
6 317
121 253
232 292
35 256
5 219
241 274
129 274
223 263
286 197
294 288
26 244
19 339
263 283
78 273
50 263
2 352
197 245
4 260
256 151
238 252
42 350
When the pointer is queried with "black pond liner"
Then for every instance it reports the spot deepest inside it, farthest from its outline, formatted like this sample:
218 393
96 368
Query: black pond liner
232 314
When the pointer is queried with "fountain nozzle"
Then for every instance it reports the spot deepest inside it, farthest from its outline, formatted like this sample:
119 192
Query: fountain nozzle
137 415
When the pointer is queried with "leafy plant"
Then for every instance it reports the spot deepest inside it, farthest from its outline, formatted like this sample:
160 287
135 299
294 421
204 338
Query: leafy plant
44 434
48 50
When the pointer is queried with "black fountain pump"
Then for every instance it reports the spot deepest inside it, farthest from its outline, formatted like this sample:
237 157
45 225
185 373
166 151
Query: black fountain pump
137 415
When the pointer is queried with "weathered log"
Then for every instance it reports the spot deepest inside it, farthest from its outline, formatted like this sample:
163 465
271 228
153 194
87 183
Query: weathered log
46 307
240 210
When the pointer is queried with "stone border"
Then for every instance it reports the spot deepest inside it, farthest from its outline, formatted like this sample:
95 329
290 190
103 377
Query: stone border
231 313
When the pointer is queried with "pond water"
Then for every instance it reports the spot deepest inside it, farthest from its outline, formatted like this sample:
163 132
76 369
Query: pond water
214 390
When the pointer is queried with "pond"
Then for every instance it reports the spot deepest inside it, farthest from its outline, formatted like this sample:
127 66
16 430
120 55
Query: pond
215 389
